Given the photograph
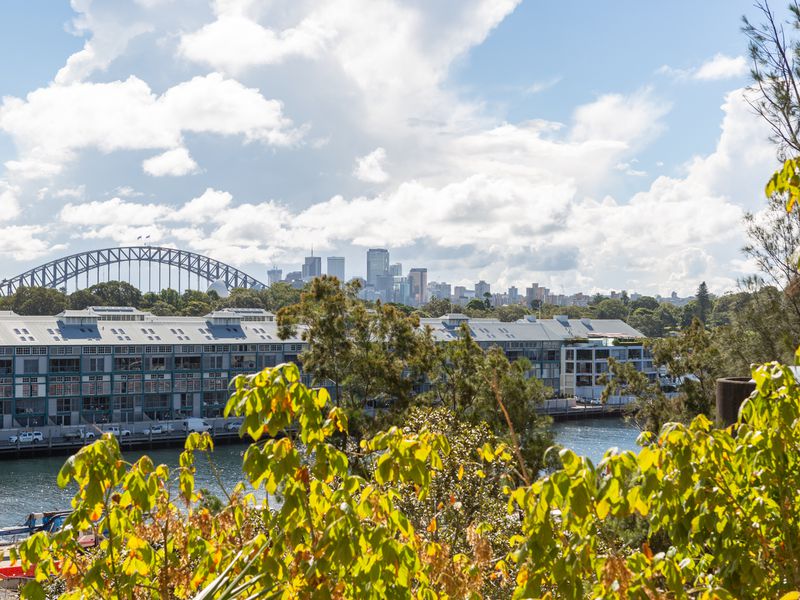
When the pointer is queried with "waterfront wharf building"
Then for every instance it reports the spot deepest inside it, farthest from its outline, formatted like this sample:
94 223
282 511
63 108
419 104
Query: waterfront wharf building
117 364
122 365
568 355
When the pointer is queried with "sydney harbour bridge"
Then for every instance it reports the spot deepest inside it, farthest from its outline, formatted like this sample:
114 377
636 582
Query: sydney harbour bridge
149 268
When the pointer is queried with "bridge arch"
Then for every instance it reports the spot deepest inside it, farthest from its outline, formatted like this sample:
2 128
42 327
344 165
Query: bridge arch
60 272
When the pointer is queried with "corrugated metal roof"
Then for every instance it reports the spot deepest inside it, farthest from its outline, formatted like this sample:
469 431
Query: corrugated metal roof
544 330
16 330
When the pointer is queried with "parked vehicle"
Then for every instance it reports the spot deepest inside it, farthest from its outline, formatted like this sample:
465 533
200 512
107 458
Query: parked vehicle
153 430
233 426
195 425
27 437
116 431
78 434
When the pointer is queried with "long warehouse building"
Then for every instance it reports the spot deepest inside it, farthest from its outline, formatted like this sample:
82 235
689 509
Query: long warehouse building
122 365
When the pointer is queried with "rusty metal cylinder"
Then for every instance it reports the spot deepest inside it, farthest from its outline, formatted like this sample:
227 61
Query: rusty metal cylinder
731 392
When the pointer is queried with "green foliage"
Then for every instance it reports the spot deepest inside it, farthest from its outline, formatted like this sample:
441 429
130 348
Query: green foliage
714 511
38 301
484 387
364 354
610 308
723 499
703 303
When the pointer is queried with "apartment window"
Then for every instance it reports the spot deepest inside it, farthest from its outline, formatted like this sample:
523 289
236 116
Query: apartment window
127 363
95 364
123 402
65 365
187 363
243 361
64 405
30 366
212 362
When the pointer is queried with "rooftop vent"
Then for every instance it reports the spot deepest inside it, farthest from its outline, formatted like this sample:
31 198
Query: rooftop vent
563 319
454 320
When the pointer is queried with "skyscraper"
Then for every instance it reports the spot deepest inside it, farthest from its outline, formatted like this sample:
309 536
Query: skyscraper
274 275
336 267
481 289
312 267
418 279
377 264
396 270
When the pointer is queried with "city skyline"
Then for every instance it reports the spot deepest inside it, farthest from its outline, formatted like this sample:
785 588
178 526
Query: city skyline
386 281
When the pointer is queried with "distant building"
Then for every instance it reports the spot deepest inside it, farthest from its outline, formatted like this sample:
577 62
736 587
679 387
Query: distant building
336 267
460 295
568 355
481 289
293 276
418 278
396 270
402 290
377 264
384 288
274 275
312 267
513 295
439 290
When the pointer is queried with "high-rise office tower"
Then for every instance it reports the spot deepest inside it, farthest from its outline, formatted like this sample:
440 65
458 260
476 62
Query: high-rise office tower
418 279
336 267
274 275
377 264
396 270
312 267
481 289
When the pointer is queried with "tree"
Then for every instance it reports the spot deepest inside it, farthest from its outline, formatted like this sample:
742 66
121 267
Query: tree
719 502
693 357
196 308
363 353
437 307
775 92
116 293
703 304
611 308
38 301
647 302
647 322
511 312
325 312
278 295
243 298
476 305
80 299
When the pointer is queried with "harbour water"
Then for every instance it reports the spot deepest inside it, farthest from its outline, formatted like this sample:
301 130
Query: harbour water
29 484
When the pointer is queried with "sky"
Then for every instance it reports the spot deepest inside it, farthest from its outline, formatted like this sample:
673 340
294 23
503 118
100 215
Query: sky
586 146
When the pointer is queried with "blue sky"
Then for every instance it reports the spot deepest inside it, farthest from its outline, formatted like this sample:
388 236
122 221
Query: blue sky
587 146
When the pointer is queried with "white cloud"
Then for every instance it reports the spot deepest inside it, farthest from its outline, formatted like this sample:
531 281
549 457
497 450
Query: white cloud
174 162
25 242
9 202
722 67
718 67
206 207
112 212
52 124
629 120
234 43
537 87
370 168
